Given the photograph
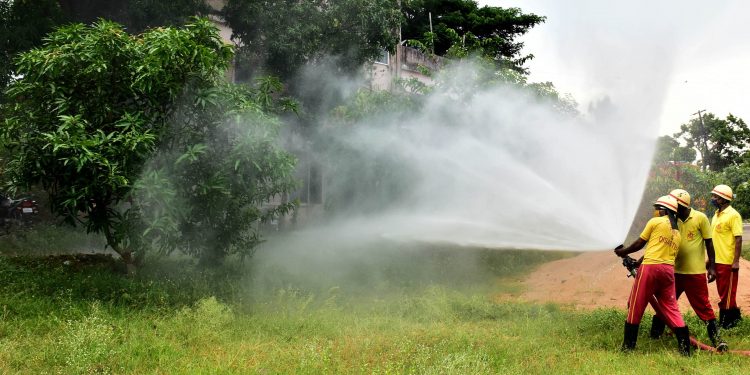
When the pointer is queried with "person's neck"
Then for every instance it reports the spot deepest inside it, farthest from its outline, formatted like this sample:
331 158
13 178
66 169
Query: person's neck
686 214
723 207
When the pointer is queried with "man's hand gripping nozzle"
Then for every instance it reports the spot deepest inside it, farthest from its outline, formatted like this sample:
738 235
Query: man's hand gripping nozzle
629 263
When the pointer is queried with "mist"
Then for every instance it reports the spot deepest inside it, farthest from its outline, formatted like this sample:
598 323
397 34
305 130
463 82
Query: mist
497 167
500 169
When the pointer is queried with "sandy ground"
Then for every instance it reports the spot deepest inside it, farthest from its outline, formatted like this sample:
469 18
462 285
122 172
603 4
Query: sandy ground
598 279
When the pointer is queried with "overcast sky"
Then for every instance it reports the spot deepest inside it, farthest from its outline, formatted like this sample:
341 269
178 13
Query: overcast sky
661 60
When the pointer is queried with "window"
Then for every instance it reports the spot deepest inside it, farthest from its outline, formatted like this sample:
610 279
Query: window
312 183
383 58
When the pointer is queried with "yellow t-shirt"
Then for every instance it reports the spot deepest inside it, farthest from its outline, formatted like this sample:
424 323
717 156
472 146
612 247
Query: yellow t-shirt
662 241
691 258
725 225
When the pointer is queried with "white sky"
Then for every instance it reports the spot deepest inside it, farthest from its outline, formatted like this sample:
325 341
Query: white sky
663 59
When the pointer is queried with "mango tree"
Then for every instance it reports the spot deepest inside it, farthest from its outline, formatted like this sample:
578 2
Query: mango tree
222 176
95 104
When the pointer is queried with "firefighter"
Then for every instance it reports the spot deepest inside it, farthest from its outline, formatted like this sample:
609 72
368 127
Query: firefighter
726 226
692 272
656 275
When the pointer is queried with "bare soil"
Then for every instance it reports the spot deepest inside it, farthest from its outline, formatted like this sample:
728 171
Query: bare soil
598 279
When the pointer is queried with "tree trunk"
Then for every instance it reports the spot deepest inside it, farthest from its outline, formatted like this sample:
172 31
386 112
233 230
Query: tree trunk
127 257
125 254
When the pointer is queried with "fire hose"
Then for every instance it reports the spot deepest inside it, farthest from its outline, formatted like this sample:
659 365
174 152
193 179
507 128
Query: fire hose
632 266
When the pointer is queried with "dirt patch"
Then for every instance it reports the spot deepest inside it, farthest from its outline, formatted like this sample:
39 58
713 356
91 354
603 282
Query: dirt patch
598 279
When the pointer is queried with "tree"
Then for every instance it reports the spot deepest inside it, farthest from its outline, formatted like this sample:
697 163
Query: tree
738 177
23 23
725 140
279 38
663 178
135 15
669 149
208 192
94 104
460 27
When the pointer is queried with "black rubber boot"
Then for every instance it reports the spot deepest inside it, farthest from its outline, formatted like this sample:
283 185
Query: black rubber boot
657 327
733 317
713 333
683 340
631 336
729 318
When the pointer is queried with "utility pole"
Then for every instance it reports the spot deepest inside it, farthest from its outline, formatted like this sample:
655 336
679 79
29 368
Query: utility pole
432 36
399 25
704 136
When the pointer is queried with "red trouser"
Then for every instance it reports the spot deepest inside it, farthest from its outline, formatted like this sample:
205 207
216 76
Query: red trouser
655 280
696 290
726 285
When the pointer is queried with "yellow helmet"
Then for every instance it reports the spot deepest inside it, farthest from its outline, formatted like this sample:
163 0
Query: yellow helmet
723 191
667 202
682 196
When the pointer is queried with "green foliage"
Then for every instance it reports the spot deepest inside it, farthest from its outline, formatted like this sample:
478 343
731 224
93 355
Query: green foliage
721 142
669 149
464 78
367 104
144 14
745 251
209 191
135 15
738 178
663 178
93 105
461 28
727 146
545 92
672 169
280 37
23 23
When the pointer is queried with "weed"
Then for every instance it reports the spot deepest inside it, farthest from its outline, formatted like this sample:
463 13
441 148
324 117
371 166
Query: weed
87 346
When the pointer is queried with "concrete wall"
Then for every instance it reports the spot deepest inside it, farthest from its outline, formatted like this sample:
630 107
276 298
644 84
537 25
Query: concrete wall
407 63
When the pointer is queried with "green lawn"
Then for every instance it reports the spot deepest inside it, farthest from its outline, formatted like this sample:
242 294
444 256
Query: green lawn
404 309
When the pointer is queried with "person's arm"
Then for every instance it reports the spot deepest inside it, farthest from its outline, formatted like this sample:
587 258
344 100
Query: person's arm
737 253
635 246
711 264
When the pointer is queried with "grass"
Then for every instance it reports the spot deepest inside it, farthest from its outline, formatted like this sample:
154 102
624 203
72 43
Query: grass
49 239
421 310
745 251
